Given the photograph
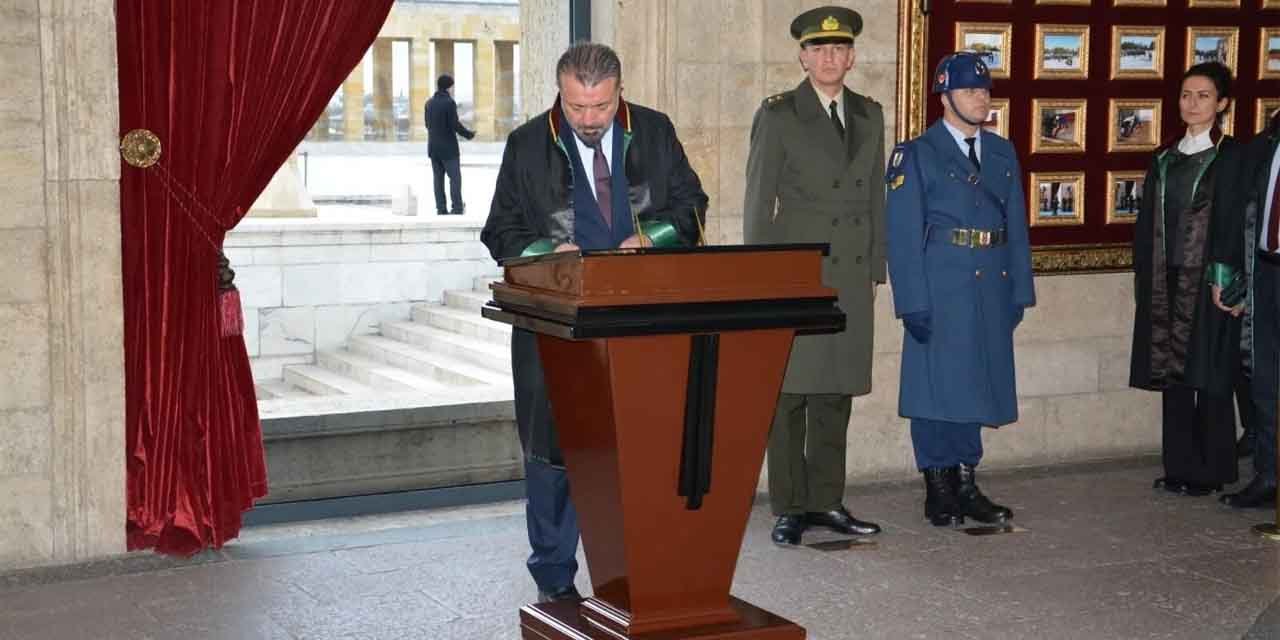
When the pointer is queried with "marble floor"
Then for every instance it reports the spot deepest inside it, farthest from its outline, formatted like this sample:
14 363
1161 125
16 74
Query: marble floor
1102 556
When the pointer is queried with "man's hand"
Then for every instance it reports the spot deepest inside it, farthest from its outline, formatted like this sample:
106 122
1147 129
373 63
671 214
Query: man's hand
568 246
637 241
1217 302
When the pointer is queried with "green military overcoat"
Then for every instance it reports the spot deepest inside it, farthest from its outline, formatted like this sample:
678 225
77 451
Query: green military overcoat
805 184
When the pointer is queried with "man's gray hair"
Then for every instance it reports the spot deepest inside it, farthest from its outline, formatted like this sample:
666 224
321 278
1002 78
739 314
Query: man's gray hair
590 63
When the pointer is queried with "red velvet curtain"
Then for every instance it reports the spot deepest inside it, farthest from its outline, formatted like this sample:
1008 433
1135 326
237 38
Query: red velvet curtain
230 87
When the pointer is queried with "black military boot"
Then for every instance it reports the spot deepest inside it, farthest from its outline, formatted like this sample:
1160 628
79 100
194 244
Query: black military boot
972 502
940 505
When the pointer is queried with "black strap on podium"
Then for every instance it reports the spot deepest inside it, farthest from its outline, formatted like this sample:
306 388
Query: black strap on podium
699 419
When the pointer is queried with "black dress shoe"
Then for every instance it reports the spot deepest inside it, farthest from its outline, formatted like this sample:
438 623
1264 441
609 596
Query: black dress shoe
1172 485
787 530
840 521
972 503
1257 494
563 593
940 506
1196 490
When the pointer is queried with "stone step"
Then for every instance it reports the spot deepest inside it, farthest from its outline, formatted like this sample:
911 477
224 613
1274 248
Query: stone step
475 351
377 374
481 283
321 381
438 366
280 390
466 323
471 301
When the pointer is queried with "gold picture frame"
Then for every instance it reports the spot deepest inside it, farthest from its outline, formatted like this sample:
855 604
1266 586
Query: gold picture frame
1271 4
1124 196
991 41
1269 53
1137 52
1056 199
998 118
1062 51
1133 125
1213 4
1058 126
1139 3
1205 44
1227 121
1265 108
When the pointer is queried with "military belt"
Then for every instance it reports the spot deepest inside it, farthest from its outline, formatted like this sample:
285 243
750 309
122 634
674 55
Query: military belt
972 238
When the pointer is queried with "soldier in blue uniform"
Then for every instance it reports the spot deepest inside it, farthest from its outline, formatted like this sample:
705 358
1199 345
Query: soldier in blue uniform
960 266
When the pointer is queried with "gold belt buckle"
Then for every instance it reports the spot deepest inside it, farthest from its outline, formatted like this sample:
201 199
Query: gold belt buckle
961 237
983 238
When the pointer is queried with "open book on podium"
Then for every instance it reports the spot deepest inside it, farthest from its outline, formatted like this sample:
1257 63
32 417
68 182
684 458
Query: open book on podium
664 368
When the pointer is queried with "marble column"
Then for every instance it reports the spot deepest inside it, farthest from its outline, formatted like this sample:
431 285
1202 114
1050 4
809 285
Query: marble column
384 123
504 89
421 85
485 70
353 104
62 489
544 36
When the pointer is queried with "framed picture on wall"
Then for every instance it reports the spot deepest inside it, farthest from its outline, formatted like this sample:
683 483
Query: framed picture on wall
1056 199
1058 126
1267 107
1138 3
1269 53
1213 4
1062 51
1133 125
1212 44
989 40
998 117
1137 52
1124 196
1271 4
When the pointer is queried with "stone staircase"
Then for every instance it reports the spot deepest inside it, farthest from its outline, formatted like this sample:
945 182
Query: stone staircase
425 403
445 354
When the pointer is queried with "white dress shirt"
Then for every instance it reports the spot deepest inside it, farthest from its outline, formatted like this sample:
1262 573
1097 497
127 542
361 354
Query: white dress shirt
964 146
587 154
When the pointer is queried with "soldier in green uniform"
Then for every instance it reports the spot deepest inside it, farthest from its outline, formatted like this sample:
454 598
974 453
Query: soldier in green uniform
815 173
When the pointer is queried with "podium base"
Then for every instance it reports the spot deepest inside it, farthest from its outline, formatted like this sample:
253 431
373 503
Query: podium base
562 621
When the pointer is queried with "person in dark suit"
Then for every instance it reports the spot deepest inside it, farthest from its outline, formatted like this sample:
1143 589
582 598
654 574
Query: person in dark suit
593 172
443 129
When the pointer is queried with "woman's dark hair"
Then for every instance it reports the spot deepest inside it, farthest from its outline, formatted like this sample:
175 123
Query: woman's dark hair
1219 75
1216 72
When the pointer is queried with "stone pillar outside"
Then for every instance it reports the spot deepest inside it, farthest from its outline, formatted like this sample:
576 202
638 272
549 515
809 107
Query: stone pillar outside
421 85
444 58
353 104
384 122
486 90
504 100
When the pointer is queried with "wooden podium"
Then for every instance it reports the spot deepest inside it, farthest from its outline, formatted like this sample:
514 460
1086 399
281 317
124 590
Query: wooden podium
664 368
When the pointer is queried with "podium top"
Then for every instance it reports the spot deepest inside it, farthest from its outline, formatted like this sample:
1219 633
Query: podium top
670 276
647 291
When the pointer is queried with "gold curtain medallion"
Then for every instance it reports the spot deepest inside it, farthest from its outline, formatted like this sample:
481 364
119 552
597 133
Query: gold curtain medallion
140 148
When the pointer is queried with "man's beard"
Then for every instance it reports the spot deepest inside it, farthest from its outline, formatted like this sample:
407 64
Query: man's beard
590 138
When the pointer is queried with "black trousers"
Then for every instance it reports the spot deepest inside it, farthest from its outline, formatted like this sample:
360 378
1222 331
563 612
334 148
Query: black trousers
1266 366
1199 437
453 167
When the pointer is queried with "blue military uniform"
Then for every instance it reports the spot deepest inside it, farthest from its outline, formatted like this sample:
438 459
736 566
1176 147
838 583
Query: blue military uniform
960 266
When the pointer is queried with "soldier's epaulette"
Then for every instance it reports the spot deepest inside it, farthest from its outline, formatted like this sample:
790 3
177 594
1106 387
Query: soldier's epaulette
778 99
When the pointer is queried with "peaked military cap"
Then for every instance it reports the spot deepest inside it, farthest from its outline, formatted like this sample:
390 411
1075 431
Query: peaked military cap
837 23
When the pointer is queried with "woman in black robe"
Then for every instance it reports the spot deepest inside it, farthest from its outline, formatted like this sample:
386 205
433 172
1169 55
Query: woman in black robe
1184 345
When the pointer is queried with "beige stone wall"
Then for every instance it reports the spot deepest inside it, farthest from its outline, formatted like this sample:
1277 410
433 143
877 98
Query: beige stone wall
709 63
546 36
62 383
